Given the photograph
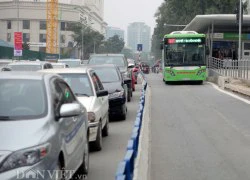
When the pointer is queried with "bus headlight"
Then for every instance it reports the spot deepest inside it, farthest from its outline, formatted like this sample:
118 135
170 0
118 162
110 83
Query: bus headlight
170 72
200 72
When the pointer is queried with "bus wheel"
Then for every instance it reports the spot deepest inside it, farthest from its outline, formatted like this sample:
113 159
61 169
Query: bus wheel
200 82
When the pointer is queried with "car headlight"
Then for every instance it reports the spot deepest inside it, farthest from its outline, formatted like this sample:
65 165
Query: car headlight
26 157
91 116
116 94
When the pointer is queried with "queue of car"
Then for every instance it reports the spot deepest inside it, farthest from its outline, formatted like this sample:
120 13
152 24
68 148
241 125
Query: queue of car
58 113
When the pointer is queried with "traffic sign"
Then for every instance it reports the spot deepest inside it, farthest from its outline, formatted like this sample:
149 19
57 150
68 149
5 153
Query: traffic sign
139 47
18 52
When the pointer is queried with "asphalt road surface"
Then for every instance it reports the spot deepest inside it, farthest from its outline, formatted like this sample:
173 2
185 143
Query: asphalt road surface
198 133
104 163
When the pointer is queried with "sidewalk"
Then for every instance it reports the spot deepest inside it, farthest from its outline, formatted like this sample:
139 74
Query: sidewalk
235 85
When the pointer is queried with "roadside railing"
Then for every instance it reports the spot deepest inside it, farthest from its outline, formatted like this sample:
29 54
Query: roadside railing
125 170
229 67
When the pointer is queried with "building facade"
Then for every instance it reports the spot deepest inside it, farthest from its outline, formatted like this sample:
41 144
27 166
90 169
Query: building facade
111 31
139 33
29 17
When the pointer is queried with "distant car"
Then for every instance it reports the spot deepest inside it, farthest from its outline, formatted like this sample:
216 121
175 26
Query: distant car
59 65
90 92
43 127
70 62
29 66
112 81
120 61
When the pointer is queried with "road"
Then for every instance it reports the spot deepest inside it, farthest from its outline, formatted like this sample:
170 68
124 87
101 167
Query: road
198 133
103 164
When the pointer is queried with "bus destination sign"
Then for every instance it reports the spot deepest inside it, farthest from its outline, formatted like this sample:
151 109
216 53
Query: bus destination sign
184 40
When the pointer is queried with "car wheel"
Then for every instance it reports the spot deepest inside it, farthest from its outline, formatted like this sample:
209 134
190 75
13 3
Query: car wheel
129 96
84 168
58 171
97 144
124 114
105 131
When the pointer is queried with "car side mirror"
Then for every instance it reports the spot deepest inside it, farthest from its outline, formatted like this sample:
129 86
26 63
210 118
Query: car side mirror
71 109
102 93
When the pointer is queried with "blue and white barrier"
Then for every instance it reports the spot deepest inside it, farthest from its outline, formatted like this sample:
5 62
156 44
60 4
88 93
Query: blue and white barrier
125 170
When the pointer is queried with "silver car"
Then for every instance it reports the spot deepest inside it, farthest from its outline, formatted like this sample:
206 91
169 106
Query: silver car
43 128
89 90
29 65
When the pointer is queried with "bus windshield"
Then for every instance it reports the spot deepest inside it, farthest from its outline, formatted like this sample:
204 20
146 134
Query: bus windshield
190 54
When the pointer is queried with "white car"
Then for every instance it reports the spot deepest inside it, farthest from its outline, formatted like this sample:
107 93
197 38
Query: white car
29 65
89 90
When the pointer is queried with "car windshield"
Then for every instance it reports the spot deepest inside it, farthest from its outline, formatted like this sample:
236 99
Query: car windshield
22 99
107 74
25 67
117 60
79 83
71 63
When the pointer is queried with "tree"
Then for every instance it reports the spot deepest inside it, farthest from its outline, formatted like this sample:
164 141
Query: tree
26 46
182 12
92 40
128 53
114 44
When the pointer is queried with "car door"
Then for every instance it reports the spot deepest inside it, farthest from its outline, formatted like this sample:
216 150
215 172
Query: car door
72 128
104 99
100 100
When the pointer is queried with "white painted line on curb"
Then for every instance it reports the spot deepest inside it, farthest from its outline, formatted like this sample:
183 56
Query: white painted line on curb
230 94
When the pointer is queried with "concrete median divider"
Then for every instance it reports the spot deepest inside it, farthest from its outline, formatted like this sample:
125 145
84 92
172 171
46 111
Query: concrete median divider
130 167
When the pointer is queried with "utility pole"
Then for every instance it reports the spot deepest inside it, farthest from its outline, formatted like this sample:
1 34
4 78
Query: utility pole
240 28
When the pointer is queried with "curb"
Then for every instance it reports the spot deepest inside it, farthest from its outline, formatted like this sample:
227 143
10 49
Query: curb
143 161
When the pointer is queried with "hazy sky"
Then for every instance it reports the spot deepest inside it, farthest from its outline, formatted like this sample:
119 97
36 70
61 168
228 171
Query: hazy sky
119 13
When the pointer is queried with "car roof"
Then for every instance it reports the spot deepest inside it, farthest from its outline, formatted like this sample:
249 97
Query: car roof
58 63
107 55
67 70
62 60
32 75
29 63
101 65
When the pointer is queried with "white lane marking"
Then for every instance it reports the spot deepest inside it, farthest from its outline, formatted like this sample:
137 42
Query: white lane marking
244 133
229 93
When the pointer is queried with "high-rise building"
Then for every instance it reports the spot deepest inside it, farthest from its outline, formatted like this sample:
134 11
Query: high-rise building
111 31
139 33
29 17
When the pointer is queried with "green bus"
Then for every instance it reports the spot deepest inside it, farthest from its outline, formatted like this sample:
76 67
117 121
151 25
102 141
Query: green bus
184 57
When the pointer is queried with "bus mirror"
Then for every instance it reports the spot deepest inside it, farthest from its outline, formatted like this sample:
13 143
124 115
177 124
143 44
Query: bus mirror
207 51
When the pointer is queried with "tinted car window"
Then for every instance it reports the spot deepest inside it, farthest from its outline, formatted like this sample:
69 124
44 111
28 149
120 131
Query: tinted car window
98 81
68 96
108 74
79 83
22 98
